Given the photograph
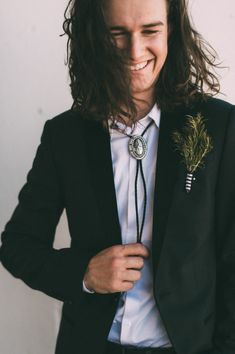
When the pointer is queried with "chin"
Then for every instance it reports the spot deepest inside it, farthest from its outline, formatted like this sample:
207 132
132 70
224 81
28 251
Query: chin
144 91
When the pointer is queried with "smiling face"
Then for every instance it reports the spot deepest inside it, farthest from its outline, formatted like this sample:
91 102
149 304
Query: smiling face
139 28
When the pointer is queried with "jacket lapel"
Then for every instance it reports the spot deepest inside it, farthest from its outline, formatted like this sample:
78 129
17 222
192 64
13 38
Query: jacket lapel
168 163
102 180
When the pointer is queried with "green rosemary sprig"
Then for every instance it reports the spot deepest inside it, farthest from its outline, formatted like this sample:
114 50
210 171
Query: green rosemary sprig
193 142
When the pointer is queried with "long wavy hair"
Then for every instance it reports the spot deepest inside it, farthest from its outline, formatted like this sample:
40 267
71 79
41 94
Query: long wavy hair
100 83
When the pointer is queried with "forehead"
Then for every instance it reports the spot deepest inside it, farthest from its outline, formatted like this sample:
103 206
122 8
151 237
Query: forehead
129 13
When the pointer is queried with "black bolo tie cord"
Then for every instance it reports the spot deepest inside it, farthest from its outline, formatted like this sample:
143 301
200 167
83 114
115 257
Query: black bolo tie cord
139 166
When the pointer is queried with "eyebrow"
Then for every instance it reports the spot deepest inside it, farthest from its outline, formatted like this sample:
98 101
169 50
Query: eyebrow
154 24
159 23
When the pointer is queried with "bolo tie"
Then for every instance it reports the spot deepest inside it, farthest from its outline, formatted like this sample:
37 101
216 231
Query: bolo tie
138 148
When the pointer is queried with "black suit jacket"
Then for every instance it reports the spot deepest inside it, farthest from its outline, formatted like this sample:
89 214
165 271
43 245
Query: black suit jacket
193 234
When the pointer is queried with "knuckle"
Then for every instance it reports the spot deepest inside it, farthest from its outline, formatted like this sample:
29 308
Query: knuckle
117 275
115 263
123 248
118 250
138 247
114 278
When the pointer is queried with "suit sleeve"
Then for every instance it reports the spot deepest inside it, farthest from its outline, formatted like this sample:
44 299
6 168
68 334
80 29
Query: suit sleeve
27 241
225 216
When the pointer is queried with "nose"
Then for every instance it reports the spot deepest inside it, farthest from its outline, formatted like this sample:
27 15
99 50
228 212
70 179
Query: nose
135 47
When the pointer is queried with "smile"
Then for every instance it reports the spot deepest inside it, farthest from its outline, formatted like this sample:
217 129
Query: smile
140 66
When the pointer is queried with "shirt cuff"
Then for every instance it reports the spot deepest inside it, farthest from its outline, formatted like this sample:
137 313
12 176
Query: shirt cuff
87 290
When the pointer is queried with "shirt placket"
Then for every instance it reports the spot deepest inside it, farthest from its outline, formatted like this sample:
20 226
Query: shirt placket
131 237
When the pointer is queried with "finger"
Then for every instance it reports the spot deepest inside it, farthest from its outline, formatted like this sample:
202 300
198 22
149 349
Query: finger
134 262
120 286
135 249
126 286
131 275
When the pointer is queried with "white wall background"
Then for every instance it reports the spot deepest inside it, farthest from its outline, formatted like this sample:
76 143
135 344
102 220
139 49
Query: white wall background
33 88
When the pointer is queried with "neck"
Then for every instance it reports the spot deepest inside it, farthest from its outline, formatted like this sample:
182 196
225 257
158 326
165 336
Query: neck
143 108
144 103
143 111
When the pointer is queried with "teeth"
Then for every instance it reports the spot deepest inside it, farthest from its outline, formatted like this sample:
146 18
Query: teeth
138 66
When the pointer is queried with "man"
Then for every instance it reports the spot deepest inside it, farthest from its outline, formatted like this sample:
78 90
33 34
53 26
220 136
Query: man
151 263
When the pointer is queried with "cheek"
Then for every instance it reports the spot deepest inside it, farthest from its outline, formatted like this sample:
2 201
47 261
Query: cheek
120 43
160 48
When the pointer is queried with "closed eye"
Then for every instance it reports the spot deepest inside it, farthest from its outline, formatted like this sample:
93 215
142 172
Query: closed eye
118 34
150 32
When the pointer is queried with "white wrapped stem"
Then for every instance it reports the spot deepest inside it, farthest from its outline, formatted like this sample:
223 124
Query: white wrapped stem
188 184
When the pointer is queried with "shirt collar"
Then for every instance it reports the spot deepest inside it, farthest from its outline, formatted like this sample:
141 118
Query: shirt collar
155 115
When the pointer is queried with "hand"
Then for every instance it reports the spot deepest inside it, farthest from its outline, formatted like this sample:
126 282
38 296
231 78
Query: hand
116 269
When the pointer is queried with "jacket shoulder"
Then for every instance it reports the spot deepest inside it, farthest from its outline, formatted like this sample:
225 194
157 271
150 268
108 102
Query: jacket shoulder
69 125
213 103
65 120
216 112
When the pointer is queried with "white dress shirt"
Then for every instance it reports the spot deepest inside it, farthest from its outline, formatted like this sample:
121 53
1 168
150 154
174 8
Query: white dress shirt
137 321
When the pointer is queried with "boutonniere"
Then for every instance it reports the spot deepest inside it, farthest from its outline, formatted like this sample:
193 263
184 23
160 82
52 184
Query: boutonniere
193 144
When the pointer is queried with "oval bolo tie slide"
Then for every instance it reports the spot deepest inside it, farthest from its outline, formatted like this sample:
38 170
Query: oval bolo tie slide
137 147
